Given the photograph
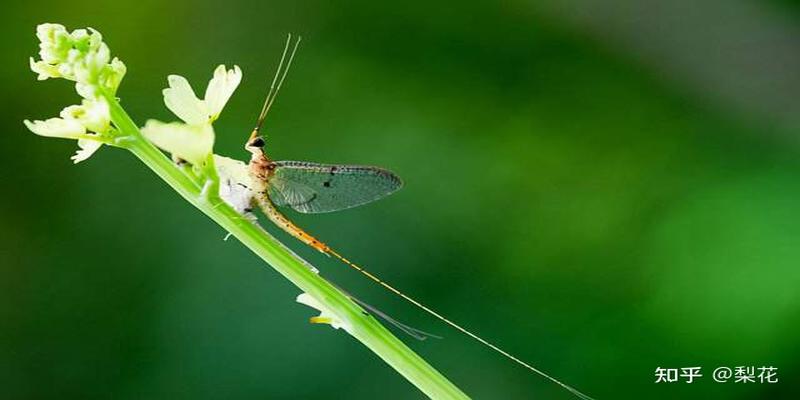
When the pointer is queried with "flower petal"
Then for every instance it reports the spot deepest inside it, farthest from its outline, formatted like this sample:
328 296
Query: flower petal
181 100
112 74
87 148
92 114
57 127
54 42
220 89
192 143
44 70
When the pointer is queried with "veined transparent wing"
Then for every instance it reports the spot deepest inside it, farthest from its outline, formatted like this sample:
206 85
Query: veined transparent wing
313 188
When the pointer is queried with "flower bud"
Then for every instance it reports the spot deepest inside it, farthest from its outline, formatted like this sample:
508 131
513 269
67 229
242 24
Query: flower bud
80 56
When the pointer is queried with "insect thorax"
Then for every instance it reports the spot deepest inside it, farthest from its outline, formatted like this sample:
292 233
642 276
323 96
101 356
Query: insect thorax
261 169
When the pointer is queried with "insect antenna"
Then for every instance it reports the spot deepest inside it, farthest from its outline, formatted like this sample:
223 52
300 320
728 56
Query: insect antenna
456 326
273 89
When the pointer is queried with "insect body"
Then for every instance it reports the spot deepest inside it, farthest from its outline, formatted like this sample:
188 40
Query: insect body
313 188
309 187
318 188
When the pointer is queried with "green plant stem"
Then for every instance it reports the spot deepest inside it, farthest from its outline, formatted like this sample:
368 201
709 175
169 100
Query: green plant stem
365 328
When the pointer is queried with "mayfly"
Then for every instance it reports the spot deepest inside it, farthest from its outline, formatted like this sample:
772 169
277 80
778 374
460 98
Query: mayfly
312 188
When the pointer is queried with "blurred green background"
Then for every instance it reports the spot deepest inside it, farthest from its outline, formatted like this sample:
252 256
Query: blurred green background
600 188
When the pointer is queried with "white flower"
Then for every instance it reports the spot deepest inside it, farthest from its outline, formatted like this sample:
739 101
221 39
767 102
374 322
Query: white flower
192 143
181 100
193 140
57 127
44 70
87 147
93 114
326 316
88 122
54 42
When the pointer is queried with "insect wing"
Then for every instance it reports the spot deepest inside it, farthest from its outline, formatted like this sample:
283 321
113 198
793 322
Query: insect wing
312 188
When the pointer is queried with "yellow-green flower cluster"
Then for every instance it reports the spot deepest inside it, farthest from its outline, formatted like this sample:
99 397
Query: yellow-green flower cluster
79 56
82 57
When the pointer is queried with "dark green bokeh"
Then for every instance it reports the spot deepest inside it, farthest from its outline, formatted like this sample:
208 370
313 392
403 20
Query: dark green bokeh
562 199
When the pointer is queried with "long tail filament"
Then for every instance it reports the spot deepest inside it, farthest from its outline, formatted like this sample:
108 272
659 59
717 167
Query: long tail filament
453 324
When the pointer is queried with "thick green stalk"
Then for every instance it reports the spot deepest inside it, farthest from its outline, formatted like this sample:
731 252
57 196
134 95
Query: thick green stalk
365 328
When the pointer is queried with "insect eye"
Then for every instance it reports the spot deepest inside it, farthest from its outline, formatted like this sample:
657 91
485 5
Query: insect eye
257 142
